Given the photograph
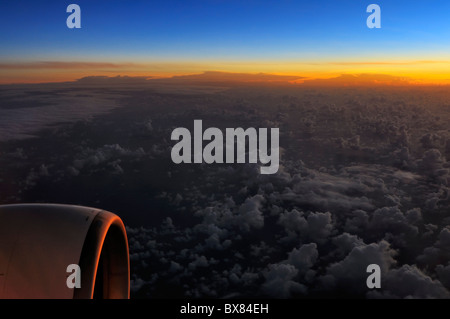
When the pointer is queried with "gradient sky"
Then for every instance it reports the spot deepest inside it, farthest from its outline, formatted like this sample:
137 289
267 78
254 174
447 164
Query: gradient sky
322 38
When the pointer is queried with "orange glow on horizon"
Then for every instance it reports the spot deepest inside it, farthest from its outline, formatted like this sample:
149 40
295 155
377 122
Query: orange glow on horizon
420 72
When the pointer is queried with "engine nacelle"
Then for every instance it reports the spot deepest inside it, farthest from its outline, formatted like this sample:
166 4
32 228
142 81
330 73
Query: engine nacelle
39 241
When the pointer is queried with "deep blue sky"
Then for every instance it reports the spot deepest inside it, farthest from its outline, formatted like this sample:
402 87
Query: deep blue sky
182 37
220 29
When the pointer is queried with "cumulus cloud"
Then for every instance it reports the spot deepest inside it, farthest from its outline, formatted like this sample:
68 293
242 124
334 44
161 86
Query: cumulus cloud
439 252
280 281
357 221
350 273
314 226
110 154
245 217
391 219
409 282
345 243
304 260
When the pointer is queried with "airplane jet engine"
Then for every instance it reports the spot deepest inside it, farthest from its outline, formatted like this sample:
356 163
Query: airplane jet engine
50 251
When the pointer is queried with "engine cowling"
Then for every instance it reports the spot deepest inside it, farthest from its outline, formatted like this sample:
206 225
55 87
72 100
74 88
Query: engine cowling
39 241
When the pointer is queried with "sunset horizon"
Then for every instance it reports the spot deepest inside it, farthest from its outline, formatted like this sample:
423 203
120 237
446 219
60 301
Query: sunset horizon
57 72
321 40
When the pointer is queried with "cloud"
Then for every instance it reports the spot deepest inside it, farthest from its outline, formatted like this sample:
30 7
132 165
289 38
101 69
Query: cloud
391 219
304 258
357 222
293 221
350 274
64 65
200 261
359 80
438 253
205 78
315 227
25 113
391 62
431 160
226 230
409 282
250 214
326 192
110 154
246 217
345 244
115 80
443 273
280 281
429 140
230 77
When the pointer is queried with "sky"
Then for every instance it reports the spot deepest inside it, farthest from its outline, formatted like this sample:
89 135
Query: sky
311 39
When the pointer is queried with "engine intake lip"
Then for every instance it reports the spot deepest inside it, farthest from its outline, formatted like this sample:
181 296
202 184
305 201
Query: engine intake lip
39 241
